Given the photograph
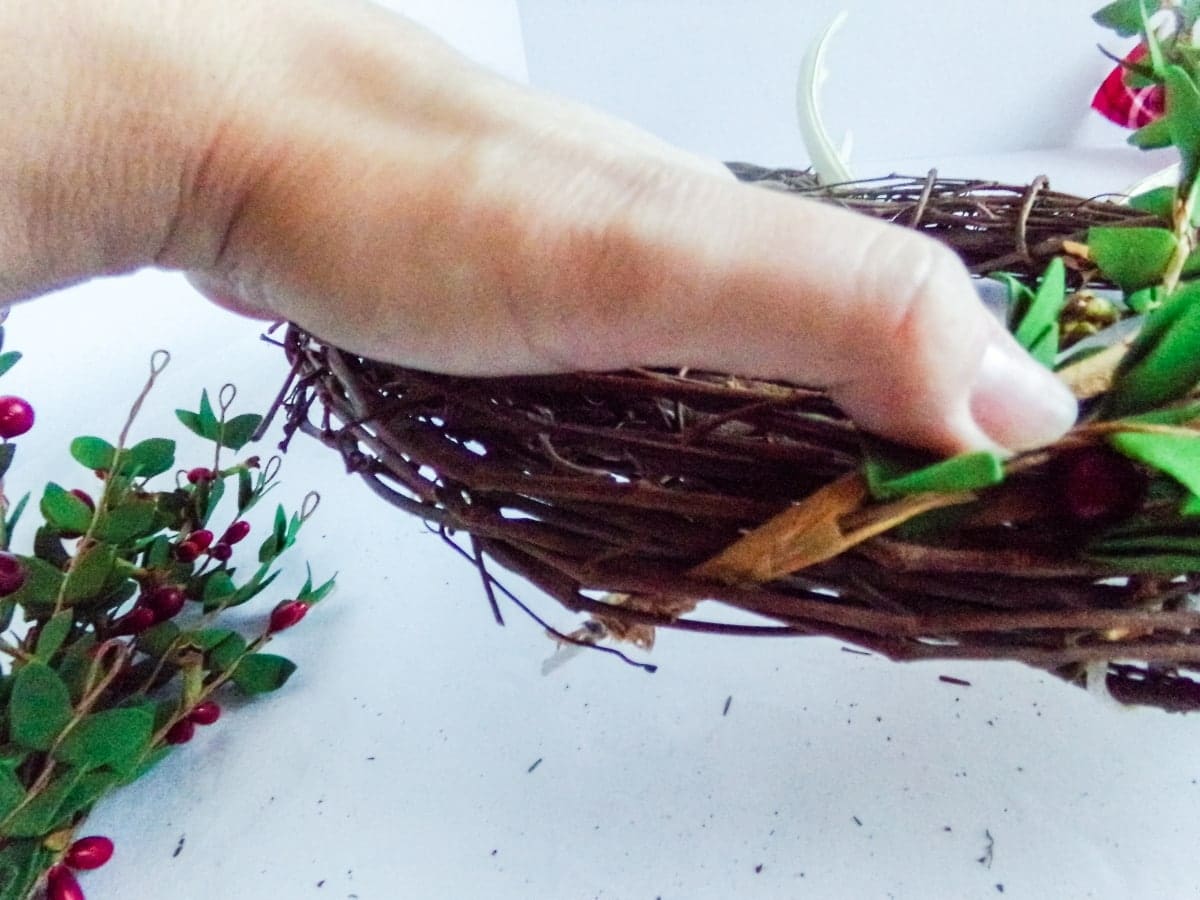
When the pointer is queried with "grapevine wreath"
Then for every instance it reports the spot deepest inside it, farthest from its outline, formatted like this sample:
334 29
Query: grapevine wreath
684 499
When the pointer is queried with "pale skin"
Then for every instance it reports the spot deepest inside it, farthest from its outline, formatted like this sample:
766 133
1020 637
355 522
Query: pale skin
328 162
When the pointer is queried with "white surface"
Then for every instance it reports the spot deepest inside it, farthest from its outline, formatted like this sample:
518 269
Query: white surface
396 763
908 79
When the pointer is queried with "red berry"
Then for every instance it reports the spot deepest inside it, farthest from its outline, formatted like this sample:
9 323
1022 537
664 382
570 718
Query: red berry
1097 485
205 713
135 621
195 476
236 532
61 885
221 552
16 417
187 552
12 573
166 602
89 853
181 732
84 497
287 614
202 538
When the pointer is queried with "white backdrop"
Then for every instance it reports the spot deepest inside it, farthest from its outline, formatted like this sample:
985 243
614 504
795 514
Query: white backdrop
935 78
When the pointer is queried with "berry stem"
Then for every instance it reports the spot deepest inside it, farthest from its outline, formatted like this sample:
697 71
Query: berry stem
158 362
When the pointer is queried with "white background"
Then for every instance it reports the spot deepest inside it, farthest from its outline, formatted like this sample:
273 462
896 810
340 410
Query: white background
396 764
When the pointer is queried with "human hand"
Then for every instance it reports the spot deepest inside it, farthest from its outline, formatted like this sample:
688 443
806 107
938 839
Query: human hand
329 163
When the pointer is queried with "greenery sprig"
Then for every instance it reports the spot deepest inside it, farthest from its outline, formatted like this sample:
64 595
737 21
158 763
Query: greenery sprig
116 633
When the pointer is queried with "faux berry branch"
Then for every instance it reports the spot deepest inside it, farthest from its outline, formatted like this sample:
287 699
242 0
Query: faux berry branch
116 642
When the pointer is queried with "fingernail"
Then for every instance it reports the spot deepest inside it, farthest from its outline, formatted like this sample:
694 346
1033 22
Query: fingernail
1019 403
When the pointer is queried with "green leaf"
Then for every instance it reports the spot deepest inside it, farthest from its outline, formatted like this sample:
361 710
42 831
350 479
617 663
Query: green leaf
1037 330
276 542
152 759
21 865
53 633
48 546
1184 414
1162 364
896 472
8 360
42 585
158 554
159 640
66 512
75 664
1158 201
310 595
11 524
40 706
148 458
1123 16
46 810
1154 136
132 519
255 586
212 493
90 573
218 588
1172 454
208 638
1020 297
208 418
1145 300
107 738
237 431
261 673
1183 120
190 421
245 490
93 452
1133 258
90 788
225 655
12 791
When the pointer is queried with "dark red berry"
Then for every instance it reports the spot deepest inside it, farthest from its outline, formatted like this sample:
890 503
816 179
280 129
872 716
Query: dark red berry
221 552
84 497
12 573
61 885
16 417
199 474
135 621
181 732
202 538
1097 485
205 713
287 614
166 602
236 532
89 852
187 552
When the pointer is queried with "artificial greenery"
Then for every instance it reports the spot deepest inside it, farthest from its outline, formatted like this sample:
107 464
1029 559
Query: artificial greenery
117 640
